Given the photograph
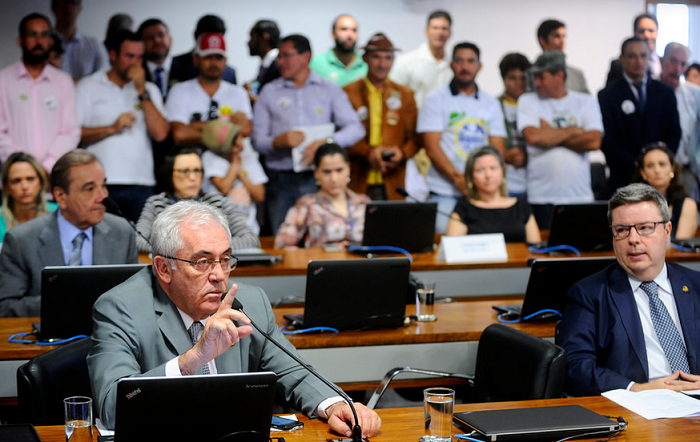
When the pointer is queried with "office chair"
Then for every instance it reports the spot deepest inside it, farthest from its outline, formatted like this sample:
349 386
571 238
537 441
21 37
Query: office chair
43 382
510 365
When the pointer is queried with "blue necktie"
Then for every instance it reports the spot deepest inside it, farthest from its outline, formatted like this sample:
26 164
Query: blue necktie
666 330
641 101
159 80
194 331
76 254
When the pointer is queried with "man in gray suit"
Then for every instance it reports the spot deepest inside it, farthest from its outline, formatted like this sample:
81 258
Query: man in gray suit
78 233
552 37
170 320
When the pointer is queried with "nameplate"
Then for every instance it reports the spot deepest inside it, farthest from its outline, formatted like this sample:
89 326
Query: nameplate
489 247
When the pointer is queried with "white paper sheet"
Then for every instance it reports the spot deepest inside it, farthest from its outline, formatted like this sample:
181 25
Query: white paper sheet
311 135
656 404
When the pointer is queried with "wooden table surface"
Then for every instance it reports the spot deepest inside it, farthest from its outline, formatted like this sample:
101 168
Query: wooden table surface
406 424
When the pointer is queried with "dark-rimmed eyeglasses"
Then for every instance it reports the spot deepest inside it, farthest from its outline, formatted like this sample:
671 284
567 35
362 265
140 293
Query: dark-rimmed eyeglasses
622 231
207 265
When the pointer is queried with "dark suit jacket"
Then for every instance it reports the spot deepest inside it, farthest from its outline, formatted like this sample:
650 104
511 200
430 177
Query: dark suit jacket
266 75
602 333
183 69
626 133
31 246
137 330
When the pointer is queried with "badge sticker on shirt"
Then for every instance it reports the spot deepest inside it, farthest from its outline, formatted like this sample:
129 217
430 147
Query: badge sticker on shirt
362 113
23 97
225 110
51 102
284 103
333 76
392 118
394 101
319 110
628 107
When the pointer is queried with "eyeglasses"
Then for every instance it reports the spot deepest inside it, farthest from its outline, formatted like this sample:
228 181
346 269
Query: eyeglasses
188 172
213 110
207 265
622 231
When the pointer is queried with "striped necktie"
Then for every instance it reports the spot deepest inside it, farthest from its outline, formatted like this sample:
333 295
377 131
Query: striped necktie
195 330
76 253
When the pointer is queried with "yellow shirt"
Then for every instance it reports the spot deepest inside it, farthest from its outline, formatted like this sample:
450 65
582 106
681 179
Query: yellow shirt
375 127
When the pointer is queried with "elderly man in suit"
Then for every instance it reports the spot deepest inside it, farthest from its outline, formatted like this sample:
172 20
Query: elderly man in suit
78 233
171 320
634 324
637 110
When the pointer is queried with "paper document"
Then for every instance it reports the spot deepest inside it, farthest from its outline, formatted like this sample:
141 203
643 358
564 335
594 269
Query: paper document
311 135
656 404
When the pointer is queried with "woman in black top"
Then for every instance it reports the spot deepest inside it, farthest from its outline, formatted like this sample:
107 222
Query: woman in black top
487 208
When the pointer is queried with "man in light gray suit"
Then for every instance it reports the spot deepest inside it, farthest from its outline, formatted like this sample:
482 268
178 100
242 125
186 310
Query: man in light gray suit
170 320
79 186
552 37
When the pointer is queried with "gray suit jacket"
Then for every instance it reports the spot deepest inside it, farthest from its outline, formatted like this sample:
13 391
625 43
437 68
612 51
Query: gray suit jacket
137 330
575 81
31 246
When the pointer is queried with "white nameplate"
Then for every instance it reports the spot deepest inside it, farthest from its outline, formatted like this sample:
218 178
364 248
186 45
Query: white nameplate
489 247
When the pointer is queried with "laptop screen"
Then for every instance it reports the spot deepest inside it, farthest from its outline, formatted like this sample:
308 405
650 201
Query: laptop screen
408 225
583 226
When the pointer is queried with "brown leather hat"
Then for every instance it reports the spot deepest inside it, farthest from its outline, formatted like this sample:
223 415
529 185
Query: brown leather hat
379 42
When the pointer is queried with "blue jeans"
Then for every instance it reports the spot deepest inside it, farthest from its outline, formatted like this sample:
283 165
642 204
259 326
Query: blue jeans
446 205
282 191
130 199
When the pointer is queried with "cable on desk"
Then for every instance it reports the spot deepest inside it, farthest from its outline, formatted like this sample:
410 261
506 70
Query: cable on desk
467 437
307 330
555 249
681 248
12 339
502 317
363 249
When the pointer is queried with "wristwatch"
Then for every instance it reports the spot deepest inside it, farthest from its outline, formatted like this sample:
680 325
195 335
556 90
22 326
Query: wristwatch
145 97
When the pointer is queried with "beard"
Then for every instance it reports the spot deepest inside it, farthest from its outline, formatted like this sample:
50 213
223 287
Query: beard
463 84
342 47
34 58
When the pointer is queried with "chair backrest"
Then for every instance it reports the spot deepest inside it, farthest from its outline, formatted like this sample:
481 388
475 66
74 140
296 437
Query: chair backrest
512 365
43 382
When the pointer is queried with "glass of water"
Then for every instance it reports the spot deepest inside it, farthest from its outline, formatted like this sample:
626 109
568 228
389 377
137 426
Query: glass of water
425 300
78 418
438 405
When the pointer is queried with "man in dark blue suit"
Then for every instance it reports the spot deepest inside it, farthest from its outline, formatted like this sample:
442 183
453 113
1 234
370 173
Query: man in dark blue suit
633 325
636 111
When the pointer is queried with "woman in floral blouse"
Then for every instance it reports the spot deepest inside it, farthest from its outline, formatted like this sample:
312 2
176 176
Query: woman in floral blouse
332 217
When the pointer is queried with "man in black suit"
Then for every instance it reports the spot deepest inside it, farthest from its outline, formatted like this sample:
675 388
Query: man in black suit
264 42
636 111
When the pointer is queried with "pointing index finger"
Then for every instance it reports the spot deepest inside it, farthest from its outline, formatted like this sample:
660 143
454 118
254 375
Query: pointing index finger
227 302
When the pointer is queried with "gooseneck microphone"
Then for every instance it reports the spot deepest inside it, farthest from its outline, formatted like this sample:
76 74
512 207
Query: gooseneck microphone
356 430
113 208
401 191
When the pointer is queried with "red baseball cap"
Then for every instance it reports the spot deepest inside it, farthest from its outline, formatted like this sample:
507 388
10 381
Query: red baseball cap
211 43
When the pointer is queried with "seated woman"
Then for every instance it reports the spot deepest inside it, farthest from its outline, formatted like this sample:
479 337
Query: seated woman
656 166
182 177
332 217
24 192
486 208
692 74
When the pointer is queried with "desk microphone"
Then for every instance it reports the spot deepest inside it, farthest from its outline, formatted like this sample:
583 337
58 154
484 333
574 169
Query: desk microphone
401 191
356 430
113 208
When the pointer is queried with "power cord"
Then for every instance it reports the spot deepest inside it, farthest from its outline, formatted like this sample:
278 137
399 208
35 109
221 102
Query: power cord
502 318
369 249
533 249
13 339
284 331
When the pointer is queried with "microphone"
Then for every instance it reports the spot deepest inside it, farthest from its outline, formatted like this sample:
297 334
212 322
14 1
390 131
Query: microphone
401 191
356 430
113 207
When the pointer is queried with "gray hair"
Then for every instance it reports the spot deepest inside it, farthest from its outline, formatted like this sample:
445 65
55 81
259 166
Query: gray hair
638 193
166 239
675 46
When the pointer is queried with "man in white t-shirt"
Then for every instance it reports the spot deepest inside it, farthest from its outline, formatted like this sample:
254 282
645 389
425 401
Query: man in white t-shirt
119 112
454 120
560 128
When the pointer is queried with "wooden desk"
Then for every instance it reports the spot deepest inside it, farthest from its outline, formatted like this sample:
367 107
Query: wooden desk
406 424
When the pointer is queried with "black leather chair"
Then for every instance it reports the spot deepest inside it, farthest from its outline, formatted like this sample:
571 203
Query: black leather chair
43 382
510 366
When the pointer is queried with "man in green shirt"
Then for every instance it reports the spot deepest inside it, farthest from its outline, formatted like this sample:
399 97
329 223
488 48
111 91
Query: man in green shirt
342 64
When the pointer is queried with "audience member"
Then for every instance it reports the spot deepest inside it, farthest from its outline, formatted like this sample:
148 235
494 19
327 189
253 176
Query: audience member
646 28
633 324
287 105
514 67
24 186
551 36
78 233
233 169
116 23
486 208
157 61
332 217
56 52
456 119
183 287
560 128
343 63
37 101
637 110
183 67
118 111
673 65
388 112
656 167
182 173
84 54
692 75
264 42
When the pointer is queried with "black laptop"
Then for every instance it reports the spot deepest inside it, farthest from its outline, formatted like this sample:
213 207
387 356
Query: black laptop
355 294
582 226
68 294
549 283
408 225
537 424
224 407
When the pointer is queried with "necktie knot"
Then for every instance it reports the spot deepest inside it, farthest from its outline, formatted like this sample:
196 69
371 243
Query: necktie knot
651 288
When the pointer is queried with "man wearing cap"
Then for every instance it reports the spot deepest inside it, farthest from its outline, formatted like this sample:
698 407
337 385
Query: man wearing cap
118 111
194 102
298 103
454 120
560 128
388 112
343 63
637 110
